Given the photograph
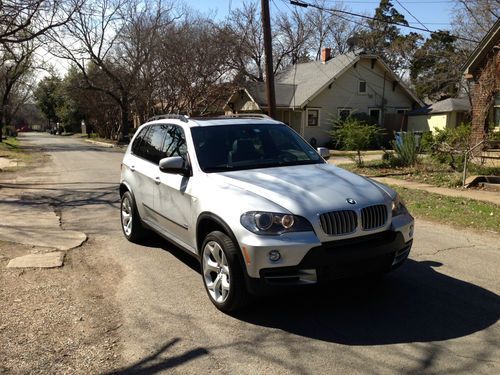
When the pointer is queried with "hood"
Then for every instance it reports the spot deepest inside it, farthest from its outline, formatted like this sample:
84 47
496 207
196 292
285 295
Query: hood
306 189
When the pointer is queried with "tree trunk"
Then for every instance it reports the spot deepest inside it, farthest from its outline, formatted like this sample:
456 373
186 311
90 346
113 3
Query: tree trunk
125 125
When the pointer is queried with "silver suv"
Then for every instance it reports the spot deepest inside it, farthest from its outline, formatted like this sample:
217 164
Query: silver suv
257 206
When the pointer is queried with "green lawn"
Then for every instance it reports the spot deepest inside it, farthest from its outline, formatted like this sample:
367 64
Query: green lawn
457 212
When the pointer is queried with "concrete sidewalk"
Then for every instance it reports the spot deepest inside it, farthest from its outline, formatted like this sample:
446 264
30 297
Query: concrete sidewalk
480 195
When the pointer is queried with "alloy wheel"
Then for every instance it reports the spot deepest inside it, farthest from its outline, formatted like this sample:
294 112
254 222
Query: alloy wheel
216 272
126 216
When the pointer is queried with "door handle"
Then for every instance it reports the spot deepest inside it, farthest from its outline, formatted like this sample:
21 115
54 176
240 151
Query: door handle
157 180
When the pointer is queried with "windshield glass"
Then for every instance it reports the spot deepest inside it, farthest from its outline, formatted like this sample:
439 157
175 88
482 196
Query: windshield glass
250 146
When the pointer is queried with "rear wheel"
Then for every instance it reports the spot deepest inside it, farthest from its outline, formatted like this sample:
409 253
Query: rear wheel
222 272
131 222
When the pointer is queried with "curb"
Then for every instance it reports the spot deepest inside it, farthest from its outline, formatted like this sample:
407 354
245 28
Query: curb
102 144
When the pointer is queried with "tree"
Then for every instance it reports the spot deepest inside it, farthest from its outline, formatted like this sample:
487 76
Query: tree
16 61
22 21
48 97
385 39
354 134
93 38
193 82
329 29
435 71
472 20
290 35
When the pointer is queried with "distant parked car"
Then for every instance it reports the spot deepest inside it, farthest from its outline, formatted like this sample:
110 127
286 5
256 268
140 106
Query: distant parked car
257 206
24 129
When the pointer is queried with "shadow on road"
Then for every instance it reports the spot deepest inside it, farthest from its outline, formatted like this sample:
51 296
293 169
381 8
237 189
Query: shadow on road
151 364
416 303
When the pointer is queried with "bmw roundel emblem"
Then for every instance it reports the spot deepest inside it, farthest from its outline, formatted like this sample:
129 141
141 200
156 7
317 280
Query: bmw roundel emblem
350 201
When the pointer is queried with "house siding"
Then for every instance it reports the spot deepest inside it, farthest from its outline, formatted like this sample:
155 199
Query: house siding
344 93
428 122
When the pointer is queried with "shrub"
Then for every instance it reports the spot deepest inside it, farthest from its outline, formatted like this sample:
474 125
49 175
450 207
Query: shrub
356 135
405 150
451 144
426 142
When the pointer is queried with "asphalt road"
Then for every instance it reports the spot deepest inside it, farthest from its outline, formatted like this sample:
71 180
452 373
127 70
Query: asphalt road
437 314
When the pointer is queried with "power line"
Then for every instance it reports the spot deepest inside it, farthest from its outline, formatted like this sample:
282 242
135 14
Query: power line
415 18
305 5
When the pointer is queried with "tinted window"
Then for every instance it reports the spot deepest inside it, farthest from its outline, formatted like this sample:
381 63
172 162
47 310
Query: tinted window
175 142
138 140
236 147
151 147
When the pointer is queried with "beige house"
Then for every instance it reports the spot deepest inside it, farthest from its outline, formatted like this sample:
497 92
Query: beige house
309 96
447 113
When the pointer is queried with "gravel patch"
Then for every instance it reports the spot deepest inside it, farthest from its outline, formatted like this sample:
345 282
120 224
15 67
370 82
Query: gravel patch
60 320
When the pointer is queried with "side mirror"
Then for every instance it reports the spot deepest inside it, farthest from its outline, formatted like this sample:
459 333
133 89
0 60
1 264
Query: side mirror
324 152
175 165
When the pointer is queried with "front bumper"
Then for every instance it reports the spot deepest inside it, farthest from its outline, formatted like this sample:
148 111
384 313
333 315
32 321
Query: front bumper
376 253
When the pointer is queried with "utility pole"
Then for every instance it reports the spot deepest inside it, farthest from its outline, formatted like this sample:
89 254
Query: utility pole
268 49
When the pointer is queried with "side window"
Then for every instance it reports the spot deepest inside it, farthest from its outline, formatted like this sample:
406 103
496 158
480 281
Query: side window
152 147
175 142
136 146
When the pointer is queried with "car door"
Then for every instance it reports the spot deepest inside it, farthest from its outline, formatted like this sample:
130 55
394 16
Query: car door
172 196
145 170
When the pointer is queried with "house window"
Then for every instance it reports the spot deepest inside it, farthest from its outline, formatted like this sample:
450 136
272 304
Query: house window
374 114
402 111
312 117
343 113
362 87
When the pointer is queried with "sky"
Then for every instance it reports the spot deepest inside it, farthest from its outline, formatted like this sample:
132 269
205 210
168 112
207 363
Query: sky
434 14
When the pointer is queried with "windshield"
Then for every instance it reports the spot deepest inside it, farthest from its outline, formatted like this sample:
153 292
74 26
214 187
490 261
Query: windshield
250 146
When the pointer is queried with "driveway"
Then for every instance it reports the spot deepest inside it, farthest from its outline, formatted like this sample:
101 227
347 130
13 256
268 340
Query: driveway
438 313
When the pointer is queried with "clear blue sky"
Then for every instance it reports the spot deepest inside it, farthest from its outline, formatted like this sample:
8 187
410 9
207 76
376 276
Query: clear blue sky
435 14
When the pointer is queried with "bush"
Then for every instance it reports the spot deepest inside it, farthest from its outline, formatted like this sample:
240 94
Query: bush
426 142
405 151
451 144
355 135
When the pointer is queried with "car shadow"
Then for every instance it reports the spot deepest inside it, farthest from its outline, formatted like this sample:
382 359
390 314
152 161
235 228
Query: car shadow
415 303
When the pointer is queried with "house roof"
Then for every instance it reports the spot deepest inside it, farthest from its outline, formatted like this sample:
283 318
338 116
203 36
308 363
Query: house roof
301 83
283 92
490 40
444 106
311 77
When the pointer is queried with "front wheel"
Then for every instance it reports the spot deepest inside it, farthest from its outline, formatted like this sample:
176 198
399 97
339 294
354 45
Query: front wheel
222 272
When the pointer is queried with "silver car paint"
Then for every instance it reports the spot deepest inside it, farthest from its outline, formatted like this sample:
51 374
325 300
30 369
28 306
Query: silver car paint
307 190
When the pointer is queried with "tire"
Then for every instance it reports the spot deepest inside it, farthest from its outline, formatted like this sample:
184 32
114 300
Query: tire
222 273
130 220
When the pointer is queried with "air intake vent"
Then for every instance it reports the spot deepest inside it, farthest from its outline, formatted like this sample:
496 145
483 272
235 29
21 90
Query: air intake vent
373 217
339 222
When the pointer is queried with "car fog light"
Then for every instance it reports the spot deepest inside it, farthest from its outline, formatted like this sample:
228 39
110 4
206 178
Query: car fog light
274 255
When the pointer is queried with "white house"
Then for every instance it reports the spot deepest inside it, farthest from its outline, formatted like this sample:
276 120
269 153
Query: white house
309 96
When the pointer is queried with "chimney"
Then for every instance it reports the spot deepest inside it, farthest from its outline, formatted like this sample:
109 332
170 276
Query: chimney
326 54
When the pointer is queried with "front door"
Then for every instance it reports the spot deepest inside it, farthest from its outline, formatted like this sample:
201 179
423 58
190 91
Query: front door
172 196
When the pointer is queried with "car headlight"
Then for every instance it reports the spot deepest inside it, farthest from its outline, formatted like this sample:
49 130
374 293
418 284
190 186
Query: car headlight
269 223
398 207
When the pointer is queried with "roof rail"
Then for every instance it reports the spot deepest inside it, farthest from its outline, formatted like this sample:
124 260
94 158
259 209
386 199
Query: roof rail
183 118
246 115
